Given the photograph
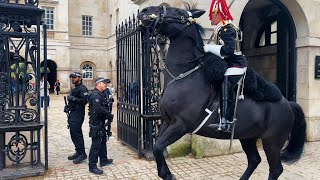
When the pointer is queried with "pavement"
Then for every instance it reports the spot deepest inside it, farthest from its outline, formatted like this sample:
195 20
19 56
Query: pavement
127 166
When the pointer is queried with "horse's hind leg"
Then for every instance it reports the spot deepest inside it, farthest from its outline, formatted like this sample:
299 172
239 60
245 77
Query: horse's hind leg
170 135
250 148
163 127
272 149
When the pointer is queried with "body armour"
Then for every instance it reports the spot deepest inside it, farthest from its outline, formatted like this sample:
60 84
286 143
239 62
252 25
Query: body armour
80 92
98 107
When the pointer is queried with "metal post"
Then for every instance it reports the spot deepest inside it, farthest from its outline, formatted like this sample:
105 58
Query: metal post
2 153
45 98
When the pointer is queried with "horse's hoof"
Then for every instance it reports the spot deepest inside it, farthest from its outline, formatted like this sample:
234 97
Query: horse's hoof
173 177
170 177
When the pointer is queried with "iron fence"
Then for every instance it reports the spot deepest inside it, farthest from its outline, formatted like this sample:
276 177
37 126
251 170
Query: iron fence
21 138
139 87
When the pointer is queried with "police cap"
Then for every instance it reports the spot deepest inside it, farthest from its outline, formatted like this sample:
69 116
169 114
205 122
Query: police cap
101 79
75 74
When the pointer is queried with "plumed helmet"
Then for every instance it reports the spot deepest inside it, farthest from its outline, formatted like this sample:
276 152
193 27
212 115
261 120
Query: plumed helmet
221 7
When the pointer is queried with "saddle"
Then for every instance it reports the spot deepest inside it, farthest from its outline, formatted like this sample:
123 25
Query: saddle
255 86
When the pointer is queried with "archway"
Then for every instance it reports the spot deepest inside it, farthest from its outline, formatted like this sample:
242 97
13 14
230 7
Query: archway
52 75
269 36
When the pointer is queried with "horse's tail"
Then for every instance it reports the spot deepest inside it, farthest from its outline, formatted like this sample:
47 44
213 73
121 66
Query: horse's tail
293 151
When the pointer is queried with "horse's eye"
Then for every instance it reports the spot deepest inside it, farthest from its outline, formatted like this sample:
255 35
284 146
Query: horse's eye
144 10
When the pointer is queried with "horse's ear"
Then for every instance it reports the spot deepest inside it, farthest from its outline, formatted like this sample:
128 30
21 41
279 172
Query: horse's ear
197 13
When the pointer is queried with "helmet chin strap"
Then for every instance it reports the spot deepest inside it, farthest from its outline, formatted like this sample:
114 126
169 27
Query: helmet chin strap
213 19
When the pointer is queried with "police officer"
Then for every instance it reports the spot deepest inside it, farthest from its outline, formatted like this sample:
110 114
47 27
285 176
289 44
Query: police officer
107 91
98 114
227 46
77 100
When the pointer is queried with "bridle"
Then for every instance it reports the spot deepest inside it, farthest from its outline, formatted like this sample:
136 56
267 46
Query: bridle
157 20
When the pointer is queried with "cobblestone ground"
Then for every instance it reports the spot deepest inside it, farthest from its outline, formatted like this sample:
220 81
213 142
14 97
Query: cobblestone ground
128 166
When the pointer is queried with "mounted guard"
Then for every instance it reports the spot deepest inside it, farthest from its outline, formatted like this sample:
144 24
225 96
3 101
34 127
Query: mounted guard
227 37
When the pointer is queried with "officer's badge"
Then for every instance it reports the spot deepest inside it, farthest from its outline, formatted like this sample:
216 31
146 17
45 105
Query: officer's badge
96 100
225 29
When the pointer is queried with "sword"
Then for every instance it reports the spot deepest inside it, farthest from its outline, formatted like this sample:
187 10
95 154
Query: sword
235 113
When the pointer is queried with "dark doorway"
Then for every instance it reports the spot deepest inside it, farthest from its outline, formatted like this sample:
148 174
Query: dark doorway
269 36
52 75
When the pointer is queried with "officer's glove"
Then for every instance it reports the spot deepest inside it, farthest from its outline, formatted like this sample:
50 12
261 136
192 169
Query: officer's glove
66 109
206 47
110 117
111 100
214 49
72 98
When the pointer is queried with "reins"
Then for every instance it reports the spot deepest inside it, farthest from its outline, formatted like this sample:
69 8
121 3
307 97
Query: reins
164 18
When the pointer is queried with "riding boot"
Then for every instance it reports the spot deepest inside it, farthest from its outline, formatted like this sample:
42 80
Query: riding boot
227 92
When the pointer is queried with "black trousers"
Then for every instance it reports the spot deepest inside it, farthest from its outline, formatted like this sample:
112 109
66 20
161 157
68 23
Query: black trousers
75 124
228 94
98 149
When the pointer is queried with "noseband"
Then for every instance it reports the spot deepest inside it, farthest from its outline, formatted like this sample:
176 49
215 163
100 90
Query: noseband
157 20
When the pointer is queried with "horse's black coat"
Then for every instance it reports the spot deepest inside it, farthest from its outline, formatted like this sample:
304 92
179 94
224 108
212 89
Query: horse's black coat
184 101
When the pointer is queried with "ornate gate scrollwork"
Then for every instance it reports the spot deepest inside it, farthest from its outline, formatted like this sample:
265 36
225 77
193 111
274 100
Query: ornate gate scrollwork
17 148
20 73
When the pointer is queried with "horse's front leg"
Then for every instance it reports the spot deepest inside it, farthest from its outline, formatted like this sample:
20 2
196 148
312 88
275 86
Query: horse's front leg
170 135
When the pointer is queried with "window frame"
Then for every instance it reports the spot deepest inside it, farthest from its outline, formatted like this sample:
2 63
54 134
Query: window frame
87 25
50 26
266 32
86 70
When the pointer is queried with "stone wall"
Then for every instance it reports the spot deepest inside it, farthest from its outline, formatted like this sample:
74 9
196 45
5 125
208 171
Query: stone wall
118 11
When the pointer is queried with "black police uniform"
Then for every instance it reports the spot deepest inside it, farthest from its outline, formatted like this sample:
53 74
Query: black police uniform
98 113
77 99
228 35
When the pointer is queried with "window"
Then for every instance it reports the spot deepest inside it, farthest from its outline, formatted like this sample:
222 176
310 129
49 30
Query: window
117 16
87 25
48 17
110 23
273 38
268 35
87 71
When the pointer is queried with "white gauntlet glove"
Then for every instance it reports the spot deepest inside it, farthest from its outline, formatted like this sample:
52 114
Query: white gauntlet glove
214 49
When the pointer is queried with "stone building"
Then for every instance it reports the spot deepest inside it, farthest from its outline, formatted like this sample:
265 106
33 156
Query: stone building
281 41
81 37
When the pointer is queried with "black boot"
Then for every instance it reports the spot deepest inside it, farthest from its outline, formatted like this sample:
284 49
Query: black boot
74 156
105 163
227 93
95 170
81 158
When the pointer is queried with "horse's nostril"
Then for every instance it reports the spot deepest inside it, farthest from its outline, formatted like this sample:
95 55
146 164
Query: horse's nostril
145 16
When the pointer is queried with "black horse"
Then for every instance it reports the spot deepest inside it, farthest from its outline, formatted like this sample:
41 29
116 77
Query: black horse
185 99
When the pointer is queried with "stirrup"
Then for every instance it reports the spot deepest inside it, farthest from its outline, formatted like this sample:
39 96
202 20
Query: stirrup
222 126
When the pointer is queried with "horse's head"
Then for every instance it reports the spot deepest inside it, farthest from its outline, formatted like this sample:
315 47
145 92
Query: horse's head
168 20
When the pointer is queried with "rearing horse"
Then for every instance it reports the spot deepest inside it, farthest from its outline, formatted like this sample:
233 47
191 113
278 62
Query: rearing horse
184 101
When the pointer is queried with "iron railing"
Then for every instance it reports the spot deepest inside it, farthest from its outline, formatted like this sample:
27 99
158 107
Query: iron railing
20 121
139 87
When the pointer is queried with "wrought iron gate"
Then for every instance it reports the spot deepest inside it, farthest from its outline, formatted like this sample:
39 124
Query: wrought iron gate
22 135
139 87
